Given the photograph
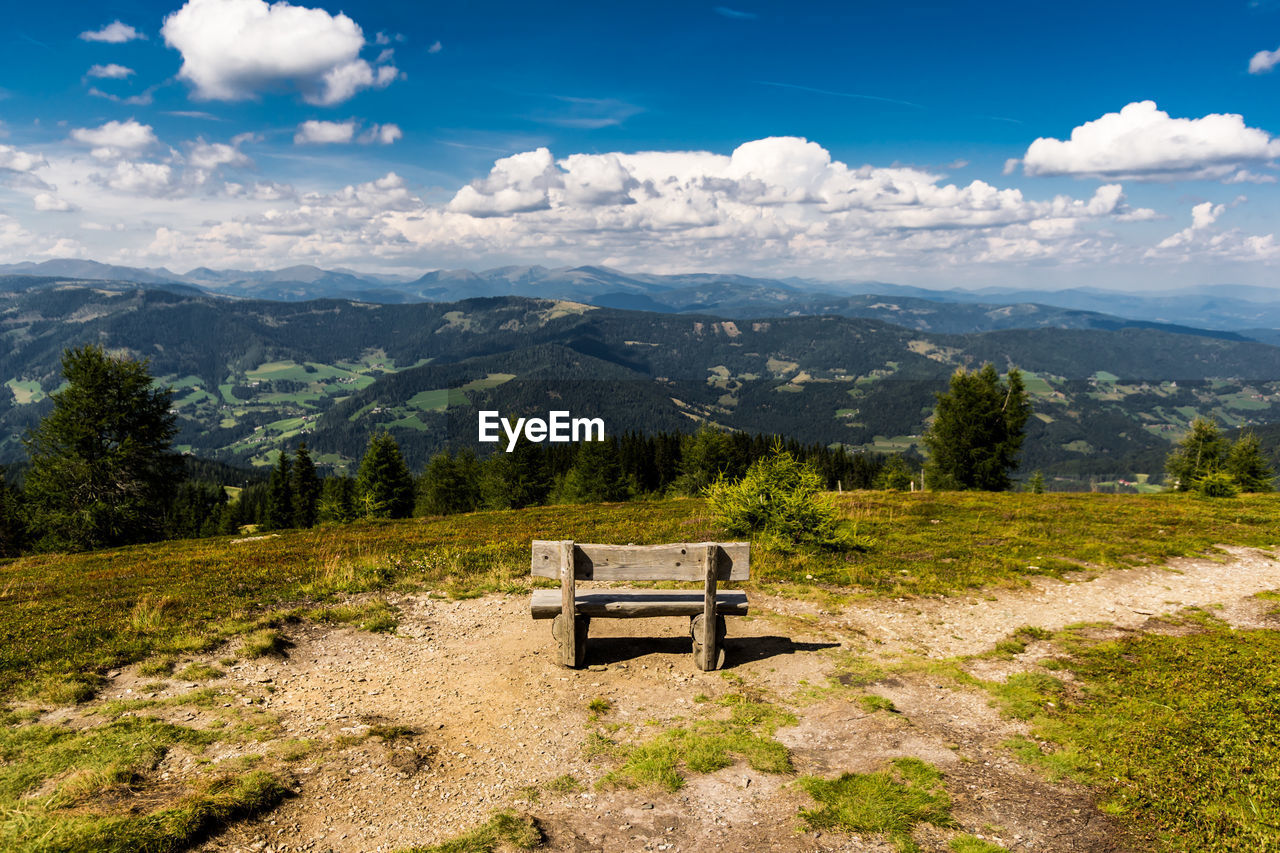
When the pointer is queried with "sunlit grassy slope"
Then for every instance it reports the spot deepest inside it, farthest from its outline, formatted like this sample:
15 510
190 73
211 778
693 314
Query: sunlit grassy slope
69 616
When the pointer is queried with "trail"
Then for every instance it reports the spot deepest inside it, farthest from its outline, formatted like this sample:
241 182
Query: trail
493 716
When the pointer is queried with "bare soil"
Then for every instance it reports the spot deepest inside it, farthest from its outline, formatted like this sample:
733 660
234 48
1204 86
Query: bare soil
494 719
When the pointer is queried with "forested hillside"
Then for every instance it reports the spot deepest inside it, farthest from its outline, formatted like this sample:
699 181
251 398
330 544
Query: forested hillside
254 376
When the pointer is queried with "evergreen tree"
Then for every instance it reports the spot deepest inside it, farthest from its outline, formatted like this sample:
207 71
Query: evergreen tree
280 494
517 479
102 469
1203 450
196 510
895 475
705 457
596 475
450 484
1247 466
306 489
977 431
384 486
337 500
12 520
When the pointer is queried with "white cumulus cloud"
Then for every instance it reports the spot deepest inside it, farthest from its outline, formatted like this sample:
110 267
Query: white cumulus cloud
1143 143
113 33
48 202
383 134
211 155
140 178
110 71
16 160
115 138
1201 241
234 49
1263 61
324 132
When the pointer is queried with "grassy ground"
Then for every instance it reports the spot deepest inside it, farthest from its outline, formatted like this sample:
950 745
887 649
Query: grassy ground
1179 732
64 618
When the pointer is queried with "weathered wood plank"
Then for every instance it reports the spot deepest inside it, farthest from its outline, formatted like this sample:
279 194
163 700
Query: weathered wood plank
628 603
710 555
568 637
681 561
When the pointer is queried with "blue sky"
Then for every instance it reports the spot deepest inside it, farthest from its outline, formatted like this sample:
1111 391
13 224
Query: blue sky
925 143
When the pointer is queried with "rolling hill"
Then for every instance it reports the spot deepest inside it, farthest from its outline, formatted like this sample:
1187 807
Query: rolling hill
251 376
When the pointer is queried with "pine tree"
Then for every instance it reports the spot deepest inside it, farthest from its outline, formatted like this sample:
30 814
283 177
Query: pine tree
977 431
337 500
708 455
895 475
306 489
596 475
450 484
196 510
280 494
1203 450
12 520
517 479
1247 466
102 468
384 486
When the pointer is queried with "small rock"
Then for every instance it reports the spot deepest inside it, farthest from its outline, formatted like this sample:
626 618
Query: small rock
646 805
597 667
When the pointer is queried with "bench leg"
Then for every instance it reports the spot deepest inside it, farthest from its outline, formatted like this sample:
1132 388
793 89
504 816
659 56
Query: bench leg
696 626
581 624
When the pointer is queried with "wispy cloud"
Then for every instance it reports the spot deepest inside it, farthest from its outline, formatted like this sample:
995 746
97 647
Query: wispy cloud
113 33
193 114
588 113
36 42
853 95
735 14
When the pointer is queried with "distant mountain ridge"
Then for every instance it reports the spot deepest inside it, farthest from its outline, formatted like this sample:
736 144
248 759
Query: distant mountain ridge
1227 311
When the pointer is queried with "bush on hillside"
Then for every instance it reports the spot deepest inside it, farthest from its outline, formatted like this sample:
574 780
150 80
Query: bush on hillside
780 500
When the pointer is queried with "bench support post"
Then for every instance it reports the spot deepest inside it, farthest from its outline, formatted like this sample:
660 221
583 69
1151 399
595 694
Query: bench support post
709 650
568 609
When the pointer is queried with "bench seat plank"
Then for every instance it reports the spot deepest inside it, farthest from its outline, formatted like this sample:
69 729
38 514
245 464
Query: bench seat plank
681 561
624 603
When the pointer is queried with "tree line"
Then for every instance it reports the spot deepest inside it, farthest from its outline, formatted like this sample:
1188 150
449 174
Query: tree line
103 473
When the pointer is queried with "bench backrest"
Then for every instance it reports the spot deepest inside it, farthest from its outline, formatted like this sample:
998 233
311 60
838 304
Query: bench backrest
680 561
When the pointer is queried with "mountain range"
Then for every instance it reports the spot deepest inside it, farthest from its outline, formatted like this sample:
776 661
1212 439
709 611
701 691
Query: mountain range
1244 311
251 376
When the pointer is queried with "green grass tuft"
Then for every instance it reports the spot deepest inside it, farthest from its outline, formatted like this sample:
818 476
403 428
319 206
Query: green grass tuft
507 828
565 784
892 801
264 643
388 732
874 703
970 844
200 672
1024 694
377 616
702 746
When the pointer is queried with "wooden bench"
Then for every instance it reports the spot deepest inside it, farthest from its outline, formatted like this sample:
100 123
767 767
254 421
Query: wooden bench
708 563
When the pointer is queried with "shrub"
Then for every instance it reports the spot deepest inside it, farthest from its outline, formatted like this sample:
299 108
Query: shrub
1217 484
780 499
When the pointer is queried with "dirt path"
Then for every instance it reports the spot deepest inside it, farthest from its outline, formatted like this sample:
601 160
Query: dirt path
495 718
